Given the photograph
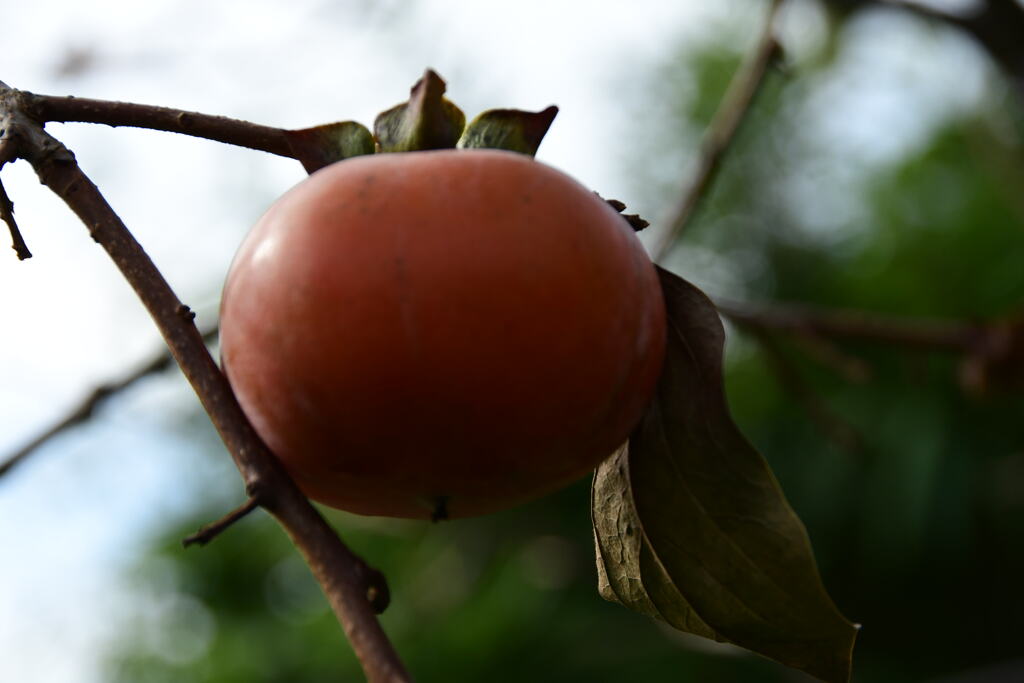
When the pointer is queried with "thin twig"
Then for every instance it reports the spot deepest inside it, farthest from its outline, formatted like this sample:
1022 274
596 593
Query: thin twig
214 529
344 577
7 215
86 408
836 428
720 133
826 352
8 153
377 592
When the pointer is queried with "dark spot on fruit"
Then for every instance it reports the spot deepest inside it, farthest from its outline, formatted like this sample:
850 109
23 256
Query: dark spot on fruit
440 509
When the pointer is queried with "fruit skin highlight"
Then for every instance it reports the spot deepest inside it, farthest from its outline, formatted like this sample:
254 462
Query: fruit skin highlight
441 333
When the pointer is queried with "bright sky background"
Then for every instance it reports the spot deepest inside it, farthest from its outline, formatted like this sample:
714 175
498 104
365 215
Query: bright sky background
72 517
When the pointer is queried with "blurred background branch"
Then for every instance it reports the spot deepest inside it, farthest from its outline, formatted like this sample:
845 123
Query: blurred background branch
86 408
735 104
944 335
832 425
997 25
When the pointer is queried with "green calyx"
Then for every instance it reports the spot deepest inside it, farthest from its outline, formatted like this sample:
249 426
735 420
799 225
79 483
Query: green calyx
428 120
323 145
510 129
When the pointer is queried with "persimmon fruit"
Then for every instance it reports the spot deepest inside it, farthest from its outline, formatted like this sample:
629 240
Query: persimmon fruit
441 333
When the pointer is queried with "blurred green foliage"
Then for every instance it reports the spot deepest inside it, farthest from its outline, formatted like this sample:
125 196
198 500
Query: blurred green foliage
911 487
509 597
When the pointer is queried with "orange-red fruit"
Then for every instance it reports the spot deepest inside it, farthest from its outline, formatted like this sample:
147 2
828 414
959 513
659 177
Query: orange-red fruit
450 331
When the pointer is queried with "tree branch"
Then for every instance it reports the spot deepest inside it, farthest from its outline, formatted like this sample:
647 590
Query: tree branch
723 128
991 352
345 579
45 108
86 408
942 335
8 153
314 147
